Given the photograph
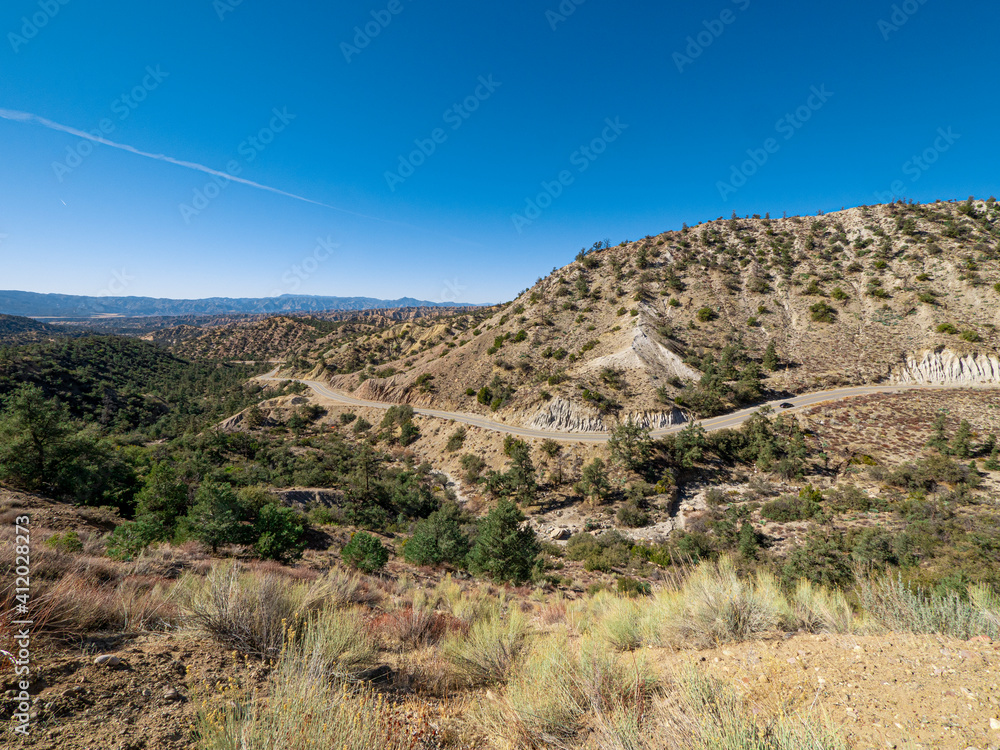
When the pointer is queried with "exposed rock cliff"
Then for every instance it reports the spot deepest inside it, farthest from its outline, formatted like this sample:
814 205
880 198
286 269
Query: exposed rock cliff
560 414
949 368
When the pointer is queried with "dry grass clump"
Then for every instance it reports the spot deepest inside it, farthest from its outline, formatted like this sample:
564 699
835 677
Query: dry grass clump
622 626
416 626
341 588
74 605
248 612
895 606
495 645
701 713
252 611
147 603
543 704
335 645
715 606
550 696
821 610
988 604
303 712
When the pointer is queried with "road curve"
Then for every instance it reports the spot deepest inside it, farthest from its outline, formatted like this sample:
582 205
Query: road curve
726 421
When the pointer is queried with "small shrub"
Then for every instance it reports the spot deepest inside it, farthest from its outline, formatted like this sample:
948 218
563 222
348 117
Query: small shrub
69 542
280 534
716 606
632 515
821 312
792 508
365 552
492 650
456 440
247 612
706 314
901 609
632 588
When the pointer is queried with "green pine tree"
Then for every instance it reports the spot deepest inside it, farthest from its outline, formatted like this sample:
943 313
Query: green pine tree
439 538
961 444
771 362
993 462
505 549
939 438
594 482
216 516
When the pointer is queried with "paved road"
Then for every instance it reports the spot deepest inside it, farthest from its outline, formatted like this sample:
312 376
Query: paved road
726 421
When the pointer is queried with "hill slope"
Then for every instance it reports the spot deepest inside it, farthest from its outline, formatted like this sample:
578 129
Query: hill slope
867 295
124 384
16 330
282 336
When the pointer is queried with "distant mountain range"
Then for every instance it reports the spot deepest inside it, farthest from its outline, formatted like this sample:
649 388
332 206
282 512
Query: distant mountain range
63 306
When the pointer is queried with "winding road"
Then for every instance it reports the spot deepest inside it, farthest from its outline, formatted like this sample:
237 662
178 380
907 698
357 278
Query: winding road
727 421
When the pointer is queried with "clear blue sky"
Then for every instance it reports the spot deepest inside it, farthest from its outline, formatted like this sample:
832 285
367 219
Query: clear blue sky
113 223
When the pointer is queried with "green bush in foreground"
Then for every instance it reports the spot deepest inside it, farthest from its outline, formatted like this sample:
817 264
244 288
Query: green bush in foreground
439 538
505 549
365 553
280 534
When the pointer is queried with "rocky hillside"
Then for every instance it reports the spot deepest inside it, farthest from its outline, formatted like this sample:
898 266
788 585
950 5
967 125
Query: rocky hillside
282 337
257 339
713 317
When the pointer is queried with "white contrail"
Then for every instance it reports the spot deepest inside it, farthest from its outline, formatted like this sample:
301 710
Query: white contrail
27 117
31 119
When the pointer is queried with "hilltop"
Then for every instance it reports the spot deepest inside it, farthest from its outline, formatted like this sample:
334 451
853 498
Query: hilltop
15 330
709 318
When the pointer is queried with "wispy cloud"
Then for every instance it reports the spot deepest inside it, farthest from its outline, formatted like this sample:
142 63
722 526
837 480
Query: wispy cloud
27 117
30 119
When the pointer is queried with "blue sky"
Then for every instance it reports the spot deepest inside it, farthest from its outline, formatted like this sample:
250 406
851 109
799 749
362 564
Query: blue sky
636 117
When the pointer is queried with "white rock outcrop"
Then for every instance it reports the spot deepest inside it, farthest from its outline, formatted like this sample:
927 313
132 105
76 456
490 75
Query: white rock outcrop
943 366
645 353
565 416
560 414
